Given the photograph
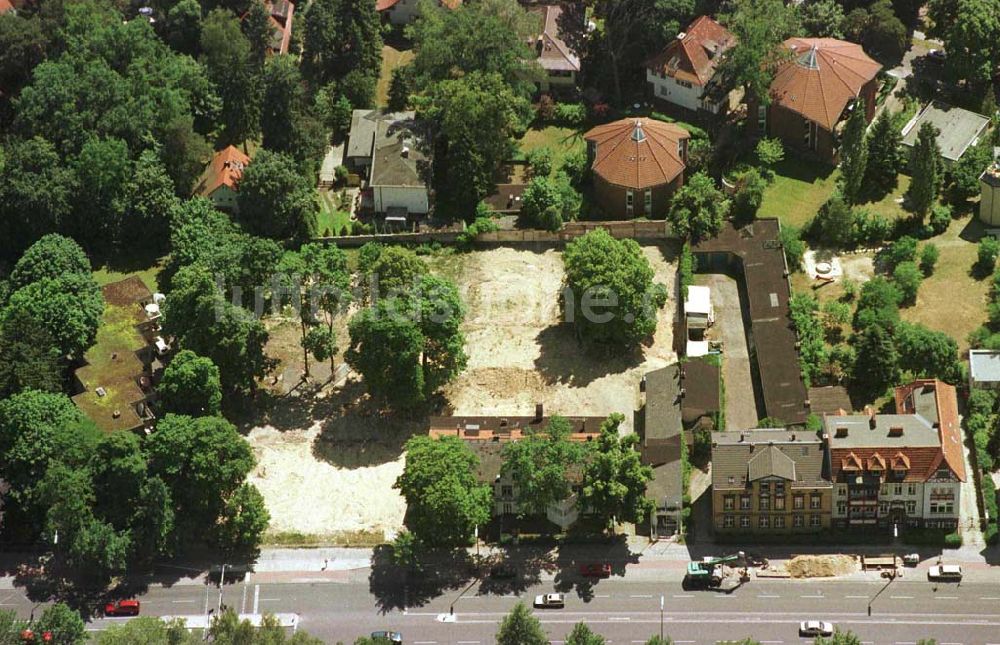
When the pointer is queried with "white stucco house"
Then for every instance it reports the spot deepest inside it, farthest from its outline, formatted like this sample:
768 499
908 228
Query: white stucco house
683 73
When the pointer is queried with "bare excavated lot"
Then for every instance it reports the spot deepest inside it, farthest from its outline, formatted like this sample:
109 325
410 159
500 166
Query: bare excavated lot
327 458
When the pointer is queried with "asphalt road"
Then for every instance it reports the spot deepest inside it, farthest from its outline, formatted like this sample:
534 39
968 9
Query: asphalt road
623 610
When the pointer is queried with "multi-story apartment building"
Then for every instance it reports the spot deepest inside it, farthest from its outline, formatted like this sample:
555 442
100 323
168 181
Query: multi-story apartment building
486 436
904 469
770 481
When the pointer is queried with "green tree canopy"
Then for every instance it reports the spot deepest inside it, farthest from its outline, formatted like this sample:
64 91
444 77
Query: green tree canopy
276 199
520 627
343 44
698 209
928 354
583 635
874 376
51 257
203 461
445 501
226 54
925 168
478 118
759 26
884 156
488 37
538 465
854 154
201 320
610 282
614 478
191 385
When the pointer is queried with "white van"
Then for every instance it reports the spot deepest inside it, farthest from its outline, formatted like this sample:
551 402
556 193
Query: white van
946 572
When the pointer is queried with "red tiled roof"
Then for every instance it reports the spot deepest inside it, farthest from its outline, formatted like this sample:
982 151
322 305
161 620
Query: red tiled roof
553 52
637 153
695 53
382 5
920 462
821 77
949 428
225 169
5 6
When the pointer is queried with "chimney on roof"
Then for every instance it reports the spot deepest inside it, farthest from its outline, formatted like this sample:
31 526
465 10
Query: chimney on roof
896 431
841 432
681 35
743 436
683 392
503 422
539 411
872 421
793 436
116 414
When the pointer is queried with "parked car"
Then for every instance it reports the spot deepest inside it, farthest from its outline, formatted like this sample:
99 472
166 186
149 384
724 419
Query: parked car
393 637
815 628
937 56
945 572
550 601
503 572
596 570
911 559
122 608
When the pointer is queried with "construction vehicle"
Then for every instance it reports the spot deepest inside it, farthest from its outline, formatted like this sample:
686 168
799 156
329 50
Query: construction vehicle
708 573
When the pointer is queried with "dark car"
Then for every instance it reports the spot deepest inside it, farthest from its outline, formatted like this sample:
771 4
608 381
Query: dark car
392 637
503 572
122 608
596 570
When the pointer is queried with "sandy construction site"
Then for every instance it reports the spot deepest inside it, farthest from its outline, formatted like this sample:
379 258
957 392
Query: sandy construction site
328 469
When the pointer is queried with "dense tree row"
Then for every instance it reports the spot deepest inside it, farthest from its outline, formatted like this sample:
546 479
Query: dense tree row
445 502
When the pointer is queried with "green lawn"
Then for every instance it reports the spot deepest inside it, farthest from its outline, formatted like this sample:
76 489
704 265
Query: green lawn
331 218
561 141
106 274
802 186
391 59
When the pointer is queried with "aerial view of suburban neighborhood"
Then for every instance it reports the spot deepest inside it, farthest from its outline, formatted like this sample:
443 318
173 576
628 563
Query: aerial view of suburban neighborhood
513 322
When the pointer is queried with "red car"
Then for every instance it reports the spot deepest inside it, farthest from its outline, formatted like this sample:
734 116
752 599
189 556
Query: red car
122 608
596 570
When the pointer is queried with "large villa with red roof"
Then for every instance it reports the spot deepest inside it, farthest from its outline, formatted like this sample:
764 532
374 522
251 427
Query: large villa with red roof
814 91
902 469
637 164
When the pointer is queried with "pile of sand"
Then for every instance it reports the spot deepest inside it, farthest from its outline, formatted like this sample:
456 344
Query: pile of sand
821 566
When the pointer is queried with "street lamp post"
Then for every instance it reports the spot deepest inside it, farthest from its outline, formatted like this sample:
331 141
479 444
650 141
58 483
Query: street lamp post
661 618
222 581
891 578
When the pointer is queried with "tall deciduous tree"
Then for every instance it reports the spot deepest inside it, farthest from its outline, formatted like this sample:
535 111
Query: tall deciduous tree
854 154
201 320
69 308
286 124
276 199
614 478
489 37
698 210
971 33
822 18
257 27
51 257
191 385
928 354
925 168
203 461
615 300
478 117
759 26
539 463
386 346
520 627
445 501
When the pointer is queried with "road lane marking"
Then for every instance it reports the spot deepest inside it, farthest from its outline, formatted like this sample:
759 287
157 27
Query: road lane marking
180 602
989 598
468 642
862 597
641 596
602 595
946 597
619 618
424 642
764 595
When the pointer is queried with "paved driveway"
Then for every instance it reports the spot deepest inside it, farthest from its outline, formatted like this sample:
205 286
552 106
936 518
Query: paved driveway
741 408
